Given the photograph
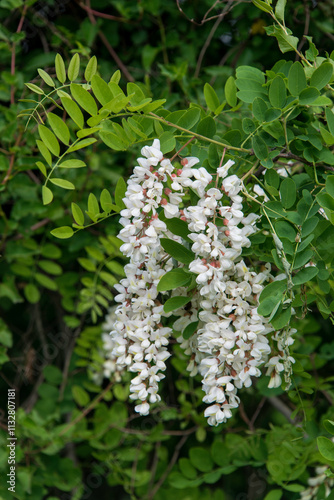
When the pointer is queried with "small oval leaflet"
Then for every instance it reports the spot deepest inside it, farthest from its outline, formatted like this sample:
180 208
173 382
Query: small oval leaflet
62 232
62 183
288 193
173 279
72 164
175 303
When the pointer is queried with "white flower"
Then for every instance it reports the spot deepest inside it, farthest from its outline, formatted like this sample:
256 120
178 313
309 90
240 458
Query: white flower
232 185
143 409
223 171
260 192
203 178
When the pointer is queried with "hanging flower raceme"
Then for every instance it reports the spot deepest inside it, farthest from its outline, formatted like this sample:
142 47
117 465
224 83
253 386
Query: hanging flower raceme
227 340
139 338
232 337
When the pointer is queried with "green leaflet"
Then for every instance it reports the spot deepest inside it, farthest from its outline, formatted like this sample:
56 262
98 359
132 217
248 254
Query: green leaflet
73 68
211 97
175 303
177 251
60 68
296 79
49 139
84 99
277 93
59 128
173 279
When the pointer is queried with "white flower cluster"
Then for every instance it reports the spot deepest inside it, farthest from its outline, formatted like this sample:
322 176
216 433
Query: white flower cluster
315 482
282 361
139 340
229 341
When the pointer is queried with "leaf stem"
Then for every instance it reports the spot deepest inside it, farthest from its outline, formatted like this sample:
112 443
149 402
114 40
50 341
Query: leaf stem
198 136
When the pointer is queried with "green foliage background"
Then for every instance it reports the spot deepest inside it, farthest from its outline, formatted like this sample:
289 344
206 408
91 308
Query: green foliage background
78 438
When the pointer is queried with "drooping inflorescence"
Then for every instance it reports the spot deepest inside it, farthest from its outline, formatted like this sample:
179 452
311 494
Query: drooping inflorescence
229 340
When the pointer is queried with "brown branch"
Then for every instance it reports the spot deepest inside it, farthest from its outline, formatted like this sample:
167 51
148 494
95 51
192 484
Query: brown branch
185 15
278 404
134 470
96 13
31 400
245 418
330 35
52 28
87 410
69 350
154 464
184 146
33 177
169 467
306 28
125 430
34 227
223 61
258 410
109 48
210 36
12 160
206 19
301 160
13 57
4 426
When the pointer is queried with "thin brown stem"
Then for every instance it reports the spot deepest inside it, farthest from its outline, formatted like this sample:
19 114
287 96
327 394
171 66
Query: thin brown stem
154 464
13 57
205 18
169 468
34 227
96 13
306 28
198 136
258 410
184 146
278 404
107 45
223 60
301 160
87 410
12 160
68 356
245 418
209 38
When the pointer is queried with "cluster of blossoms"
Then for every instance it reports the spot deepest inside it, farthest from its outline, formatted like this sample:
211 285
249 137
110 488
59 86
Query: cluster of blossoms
311 493
230 340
